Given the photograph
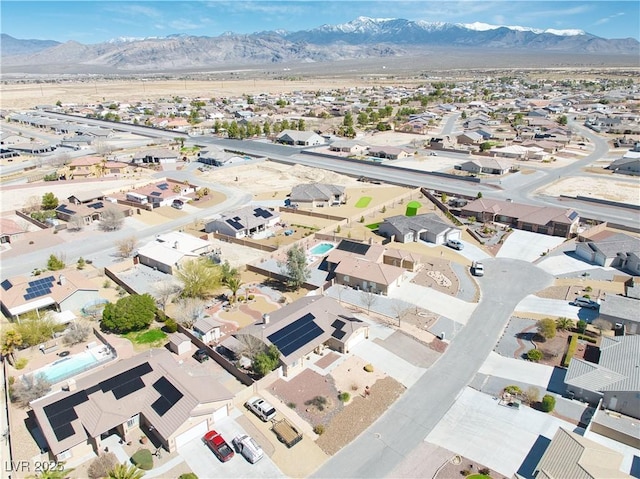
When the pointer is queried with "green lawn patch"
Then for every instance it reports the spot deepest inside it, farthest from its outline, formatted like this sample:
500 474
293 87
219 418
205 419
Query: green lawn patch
412 208
478 476
373 226
414 204
150 336
363 202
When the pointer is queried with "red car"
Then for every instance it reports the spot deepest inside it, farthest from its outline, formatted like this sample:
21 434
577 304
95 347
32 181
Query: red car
218 445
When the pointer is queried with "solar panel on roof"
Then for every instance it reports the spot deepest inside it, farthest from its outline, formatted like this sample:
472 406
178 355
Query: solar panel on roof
155 193
128 388
295 335
62 412
129 375
235 224
163 186
338 324
96 206
6 285
65 210
338 334
573 215
169 395
353 247
63 431
262 213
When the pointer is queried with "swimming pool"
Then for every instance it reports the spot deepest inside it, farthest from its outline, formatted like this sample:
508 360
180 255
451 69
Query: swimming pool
70 366
321 249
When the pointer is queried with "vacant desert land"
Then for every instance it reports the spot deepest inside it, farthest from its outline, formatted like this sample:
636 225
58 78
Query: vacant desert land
22 96
604 188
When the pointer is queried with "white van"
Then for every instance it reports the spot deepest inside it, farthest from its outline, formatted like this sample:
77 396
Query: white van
248 447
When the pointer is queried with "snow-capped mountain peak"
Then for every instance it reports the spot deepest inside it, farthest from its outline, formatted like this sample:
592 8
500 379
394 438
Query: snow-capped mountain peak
482 27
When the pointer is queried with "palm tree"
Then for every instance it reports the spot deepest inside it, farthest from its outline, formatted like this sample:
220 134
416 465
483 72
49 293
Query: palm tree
124 471
55 473
12 339
564 324
234 284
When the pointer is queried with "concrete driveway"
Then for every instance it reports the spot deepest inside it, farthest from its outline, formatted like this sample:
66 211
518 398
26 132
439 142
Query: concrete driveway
435 301
205 464
384 360
555 308
527 246
499 437
517 370
565 263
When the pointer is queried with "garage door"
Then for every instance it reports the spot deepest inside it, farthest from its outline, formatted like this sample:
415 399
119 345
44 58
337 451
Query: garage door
356 338
195 432
220 414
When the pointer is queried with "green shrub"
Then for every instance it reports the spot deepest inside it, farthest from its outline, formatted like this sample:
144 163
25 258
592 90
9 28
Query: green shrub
368 368
188 475
161 316
318 429
587 339
362 219
291 405
251 297
241 299
581 326
344 397
170 326
143 459
21 363
512 390
320 402
571 350
534 355
106 284
548 403
588 289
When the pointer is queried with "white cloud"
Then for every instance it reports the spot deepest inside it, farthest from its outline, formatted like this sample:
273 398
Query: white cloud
608 19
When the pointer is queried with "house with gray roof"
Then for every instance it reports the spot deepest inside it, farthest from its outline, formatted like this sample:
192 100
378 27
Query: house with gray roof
215 156
299 138
619 250
615 378
426 227
155 155
317 194
570 455
626 165
491 166
242 222
621 312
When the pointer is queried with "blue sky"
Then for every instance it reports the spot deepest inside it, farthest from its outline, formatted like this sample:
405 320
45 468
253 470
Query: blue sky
89 21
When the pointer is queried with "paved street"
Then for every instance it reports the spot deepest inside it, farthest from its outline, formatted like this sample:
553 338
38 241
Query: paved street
406 424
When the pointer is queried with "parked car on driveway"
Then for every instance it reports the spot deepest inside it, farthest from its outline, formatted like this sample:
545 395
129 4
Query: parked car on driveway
218 446
261 408
201 355
455 244
248 447
477 268
585 303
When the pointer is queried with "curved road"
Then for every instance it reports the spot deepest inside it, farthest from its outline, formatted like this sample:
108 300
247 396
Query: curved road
379 449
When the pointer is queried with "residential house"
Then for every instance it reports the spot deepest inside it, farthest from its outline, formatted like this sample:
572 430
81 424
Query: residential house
427 227
89 212
618 250
519 152
168 251
215 156
63 290
348 146
621 312
245 221
389 152
614 378
402 259
155 155
379 278
625 166
443 143
84 167
491 166
84 197
10 230
317 194
470 138
570 455
148 392
299 138
539 219
310 324
165 192
77 141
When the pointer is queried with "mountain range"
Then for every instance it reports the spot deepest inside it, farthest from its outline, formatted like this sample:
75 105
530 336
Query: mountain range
362 38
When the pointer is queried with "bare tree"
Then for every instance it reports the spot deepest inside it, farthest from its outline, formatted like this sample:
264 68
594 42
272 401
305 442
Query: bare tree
75 223
163 290
189 310
112 218
400 309
102 147
602 325
251 345
34 203
29 388
532 395
127 246
76 333
61 159
369 299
